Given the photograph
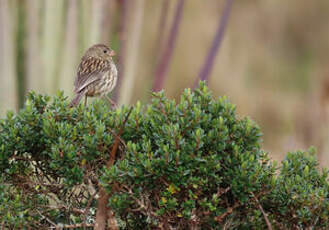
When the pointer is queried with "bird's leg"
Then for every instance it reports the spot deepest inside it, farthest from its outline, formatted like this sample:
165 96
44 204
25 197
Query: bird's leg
111 101
85 100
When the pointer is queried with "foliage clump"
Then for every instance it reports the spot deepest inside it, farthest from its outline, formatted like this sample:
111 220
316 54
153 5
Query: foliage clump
191 164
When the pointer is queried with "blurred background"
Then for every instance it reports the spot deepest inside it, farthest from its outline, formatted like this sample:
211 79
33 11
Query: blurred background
269 57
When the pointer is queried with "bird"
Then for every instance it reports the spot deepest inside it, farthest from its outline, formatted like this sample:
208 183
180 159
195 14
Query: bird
97 74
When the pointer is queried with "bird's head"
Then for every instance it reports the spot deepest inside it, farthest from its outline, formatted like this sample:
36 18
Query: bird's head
100 51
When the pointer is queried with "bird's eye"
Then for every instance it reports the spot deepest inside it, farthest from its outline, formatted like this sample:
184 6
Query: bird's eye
105 51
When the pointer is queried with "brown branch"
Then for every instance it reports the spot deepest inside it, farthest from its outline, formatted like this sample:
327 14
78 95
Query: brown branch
103 212
48 220
220 218
268 223
227 224
77 225
39 166
117 140
143 206
116 136
220 192
68 209
111 221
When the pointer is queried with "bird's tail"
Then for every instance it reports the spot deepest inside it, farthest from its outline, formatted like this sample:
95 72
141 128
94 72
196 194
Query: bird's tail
76 99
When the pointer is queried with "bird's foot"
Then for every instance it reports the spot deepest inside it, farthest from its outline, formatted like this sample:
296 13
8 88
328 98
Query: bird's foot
113 104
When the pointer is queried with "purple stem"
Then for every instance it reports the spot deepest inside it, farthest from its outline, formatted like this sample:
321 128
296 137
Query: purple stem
209 62
162 67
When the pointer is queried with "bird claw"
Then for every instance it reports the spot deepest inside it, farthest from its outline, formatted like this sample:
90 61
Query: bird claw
113 104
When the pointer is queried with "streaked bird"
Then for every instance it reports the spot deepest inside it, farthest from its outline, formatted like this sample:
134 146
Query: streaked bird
97 74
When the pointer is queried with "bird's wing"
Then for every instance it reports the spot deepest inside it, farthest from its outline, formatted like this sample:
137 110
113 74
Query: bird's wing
90 70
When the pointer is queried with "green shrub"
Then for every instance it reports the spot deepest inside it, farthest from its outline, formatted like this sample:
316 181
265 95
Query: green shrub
300 198
187 165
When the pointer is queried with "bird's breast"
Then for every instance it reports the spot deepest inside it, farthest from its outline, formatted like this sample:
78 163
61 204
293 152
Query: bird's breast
109 80
106 83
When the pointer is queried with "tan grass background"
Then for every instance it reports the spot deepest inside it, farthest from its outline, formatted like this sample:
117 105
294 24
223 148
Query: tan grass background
273 63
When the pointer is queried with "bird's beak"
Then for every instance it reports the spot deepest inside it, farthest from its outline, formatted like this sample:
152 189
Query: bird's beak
112 53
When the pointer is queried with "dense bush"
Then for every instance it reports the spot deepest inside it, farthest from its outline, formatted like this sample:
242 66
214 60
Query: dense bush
188 165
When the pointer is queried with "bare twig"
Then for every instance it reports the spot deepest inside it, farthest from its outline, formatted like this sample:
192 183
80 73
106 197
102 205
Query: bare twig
87 210
268 223
117 140
111 221
162 67
47 219
228 212
227 224
194 221
116 136
43 173
209 61
77 225
222 191
60 206
143 205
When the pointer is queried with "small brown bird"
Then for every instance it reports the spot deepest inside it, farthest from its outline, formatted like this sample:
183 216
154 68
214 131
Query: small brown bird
97 74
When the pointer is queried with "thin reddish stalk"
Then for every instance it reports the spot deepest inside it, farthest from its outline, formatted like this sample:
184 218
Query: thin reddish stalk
209 61
103 211
162 67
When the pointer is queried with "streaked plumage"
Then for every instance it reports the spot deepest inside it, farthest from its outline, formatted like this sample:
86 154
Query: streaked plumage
97 74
